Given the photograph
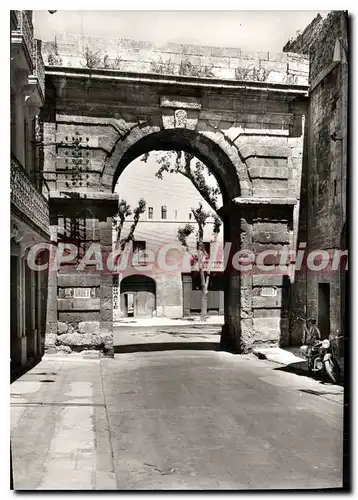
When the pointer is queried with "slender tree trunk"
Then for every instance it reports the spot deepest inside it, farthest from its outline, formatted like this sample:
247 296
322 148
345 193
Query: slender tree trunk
204 295
204 305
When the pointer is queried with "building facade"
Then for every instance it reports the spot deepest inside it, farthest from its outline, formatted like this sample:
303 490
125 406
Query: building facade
29 224
160 278
323 213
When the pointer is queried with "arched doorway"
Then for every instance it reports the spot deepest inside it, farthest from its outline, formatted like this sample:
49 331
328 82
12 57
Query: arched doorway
137 296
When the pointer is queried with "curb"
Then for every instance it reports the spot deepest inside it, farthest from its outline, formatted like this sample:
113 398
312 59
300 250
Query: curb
273 354
74 356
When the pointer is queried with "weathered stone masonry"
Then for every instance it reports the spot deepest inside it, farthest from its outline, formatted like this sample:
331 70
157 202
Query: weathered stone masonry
247 126
322 220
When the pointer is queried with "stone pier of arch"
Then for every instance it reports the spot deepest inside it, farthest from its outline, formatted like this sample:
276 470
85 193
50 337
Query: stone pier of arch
248 132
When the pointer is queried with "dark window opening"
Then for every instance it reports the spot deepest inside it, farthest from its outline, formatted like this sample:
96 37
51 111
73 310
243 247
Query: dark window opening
164 212
138 245
216 282
150 212
139 248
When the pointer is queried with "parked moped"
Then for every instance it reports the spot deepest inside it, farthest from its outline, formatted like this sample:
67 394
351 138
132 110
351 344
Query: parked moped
321 357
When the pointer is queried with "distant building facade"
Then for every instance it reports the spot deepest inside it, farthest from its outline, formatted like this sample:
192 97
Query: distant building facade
146 287
323 211
29 206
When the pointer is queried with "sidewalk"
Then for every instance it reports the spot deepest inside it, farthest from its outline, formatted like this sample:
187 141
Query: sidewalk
289 357
59 430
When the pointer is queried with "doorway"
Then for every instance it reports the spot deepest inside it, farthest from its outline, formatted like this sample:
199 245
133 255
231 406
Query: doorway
138 296
14 308
324 323
129 304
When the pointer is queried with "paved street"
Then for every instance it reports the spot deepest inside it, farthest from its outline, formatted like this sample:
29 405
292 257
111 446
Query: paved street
174 420
141 337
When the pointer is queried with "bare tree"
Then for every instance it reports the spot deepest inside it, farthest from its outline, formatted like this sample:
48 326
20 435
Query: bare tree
201 217
186 164
125 211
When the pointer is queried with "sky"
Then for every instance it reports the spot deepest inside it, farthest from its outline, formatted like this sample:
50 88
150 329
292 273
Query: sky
249 30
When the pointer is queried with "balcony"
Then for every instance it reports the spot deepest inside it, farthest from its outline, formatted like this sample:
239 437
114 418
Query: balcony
38 76
22 36
26 54
26 198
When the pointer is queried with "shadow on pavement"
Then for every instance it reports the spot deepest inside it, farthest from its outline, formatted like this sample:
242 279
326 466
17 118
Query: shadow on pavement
320 393
167 346
17 371
300 368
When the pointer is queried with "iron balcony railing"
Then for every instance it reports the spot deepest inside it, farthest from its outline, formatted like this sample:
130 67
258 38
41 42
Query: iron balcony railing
38 64
26 197
25 28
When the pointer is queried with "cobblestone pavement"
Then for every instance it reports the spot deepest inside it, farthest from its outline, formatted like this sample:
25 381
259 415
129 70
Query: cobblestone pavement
182 420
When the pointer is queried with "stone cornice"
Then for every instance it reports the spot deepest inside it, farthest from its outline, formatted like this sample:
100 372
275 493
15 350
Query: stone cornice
254 202
189 81
90 204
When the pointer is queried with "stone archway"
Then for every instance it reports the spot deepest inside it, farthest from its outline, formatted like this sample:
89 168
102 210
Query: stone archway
148 138
249 135
250 224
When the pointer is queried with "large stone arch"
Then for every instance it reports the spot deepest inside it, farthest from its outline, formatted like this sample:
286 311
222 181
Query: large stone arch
210 147
249 135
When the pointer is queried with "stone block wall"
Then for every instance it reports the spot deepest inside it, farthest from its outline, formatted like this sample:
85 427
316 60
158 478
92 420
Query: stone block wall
322 49
175 59
80 303
322 217
301 44
263 318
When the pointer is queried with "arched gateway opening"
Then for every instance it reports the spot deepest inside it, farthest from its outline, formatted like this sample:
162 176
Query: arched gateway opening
179 292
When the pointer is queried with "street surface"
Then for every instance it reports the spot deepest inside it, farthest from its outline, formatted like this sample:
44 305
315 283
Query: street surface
184 420
139 337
